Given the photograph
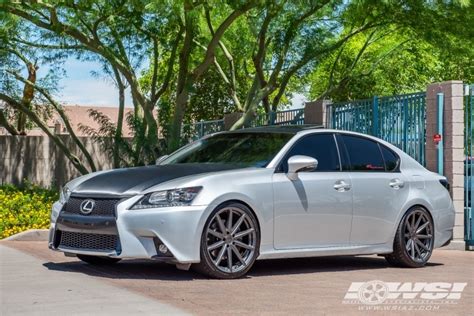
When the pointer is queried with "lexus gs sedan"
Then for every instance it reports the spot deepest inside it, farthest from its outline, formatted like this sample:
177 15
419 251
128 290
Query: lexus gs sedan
231 198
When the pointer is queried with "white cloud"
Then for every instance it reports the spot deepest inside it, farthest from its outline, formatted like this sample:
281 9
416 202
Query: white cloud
80 88
90 92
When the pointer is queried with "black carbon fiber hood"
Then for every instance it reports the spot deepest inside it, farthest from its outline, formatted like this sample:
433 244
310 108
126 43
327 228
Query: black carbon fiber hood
130 181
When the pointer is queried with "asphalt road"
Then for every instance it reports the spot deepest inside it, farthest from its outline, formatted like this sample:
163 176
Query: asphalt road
35 280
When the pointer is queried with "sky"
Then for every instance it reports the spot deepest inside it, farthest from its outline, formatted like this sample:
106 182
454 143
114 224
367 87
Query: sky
79 87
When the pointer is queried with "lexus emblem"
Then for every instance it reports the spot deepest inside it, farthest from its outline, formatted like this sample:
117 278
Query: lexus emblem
87 206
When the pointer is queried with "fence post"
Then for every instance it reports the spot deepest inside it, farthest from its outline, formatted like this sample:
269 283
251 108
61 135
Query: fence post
405 124
230 119
439 130
272 118
315 112
375 116
453 144
201 128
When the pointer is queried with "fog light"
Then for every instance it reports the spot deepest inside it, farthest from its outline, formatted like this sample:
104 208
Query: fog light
163 249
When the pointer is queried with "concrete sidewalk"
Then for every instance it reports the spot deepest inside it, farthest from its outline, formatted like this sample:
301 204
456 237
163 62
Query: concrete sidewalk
29 288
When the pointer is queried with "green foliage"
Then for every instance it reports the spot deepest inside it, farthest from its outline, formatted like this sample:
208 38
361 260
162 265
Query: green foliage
401 57
168 54
24 208
132 151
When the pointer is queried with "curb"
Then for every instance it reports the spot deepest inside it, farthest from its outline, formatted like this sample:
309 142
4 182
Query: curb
30 235
455 245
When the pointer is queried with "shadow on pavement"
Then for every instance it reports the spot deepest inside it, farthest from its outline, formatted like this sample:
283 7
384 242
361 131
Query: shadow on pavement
148 269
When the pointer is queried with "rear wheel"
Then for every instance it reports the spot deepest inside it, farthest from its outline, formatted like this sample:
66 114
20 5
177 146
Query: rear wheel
97 260
414 240
229 242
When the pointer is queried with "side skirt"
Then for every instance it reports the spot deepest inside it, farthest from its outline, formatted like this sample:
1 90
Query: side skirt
326 251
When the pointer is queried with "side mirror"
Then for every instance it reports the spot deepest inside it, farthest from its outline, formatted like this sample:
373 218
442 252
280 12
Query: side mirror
300 163
159 160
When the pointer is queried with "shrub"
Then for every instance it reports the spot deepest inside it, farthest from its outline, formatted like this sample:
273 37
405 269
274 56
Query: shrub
23 208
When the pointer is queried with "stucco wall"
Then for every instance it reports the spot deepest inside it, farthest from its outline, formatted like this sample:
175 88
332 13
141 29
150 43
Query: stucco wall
40 161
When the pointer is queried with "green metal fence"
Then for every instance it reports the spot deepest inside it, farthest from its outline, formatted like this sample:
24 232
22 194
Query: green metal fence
398 119
197 130
287 117
469 166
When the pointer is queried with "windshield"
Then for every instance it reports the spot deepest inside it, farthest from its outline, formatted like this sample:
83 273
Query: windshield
246 149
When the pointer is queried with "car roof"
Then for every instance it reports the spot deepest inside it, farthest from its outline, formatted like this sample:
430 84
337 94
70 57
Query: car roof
287 129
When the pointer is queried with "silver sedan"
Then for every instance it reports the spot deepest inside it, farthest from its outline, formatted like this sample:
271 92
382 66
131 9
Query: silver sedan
231 198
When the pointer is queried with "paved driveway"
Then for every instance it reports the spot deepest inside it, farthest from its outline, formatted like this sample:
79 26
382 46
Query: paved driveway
295 286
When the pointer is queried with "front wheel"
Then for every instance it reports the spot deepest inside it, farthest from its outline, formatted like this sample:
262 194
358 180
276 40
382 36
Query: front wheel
97 260
230 242
414 240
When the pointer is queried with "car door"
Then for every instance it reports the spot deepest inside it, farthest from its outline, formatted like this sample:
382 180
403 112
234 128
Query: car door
316 209
379 188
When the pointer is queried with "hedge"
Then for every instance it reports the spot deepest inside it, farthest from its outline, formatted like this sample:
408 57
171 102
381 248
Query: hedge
23 208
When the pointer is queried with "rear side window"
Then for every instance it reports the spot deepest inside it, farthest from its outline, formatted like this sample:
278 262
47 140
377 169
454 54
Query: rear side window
322 147
364 154
392 161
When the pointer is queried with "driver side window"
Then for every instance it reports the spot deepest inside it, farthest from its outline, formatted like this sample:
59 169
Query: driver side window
322 147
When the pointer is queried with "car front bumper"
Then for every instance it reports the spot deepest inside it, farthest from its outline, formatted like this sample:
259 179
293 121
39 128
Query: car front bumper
138 233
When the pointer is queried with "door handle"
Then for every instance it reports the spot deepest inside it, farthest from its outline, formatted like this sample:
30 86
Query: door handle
341 186
396 183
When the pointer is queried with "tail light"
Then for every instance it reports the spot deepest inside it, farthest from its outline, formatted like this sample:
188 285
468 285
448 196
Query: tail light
444 183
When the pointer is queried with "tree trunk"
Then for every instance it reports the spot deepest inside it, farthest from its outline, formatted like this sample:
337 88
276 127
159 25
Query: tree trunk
176 124
28 95
3 122
118 131
184 80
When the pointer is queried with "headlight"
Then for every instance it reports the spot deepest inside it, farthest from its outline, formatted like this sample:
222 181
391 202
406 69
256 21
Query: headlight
167 198
64 195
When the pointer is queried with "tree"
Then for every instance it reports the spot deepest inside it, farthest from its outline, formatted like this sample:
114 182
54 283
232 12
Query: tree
34 102
288 39
120 31
398 59
197 59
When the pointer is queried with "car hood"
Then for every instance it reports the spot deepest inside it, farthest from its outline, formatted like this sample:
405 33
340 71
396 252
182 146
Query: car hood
131 181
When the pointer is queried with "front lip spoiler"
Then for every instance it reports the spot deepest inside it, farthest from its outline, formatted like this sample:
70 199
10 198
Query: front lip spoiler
88 252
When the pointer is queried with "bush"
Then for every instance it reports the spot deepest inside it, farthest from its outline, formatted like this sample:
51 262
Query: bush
23 208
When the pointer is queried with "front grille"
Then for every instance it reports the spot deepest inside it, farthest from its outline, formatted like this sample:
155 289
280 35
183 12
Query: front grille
97 242
103 207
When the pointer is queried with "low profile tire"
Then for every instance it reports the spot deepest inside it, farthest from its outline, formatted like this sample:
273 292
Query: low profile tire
229 243
414 240
97 260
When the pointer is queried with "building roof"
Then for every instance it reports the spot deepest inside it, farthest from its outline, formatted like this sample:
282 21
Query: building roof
78 115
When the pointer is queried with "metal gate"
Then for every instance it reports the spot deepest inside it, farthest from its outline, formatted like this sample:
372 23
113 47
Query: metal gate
469 166
398 119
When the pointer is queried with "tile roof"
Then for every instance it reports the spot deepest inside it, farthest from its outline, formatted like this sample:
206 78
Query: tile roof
78 114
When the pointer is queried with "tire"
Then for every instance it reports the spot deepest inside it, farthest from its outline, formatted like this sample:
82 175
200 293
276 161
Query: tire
412 248
97 260
221 238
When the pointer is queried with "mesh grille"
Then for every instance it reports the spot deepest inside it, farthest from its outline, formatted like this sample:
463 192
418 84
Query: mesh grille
102 206
97 242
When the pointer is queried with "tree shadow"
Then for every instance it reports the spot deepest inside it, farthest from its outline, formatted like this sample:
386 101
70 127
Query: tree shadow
153 270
